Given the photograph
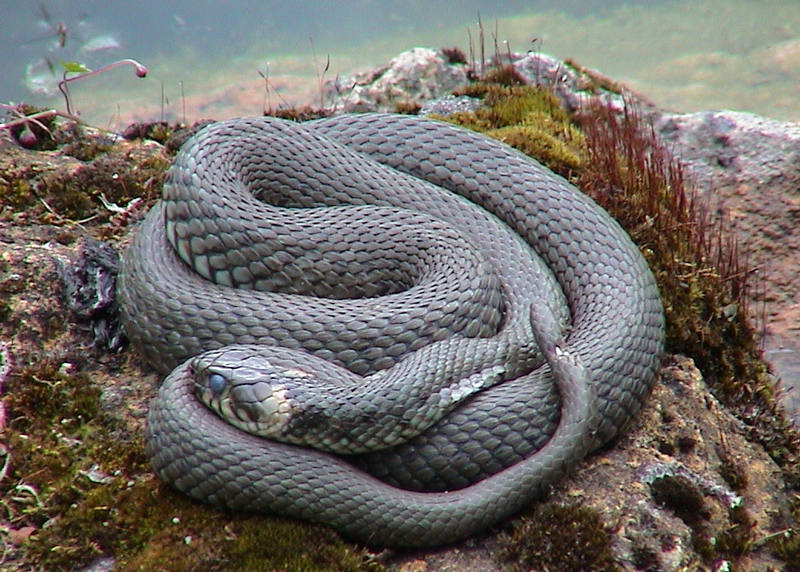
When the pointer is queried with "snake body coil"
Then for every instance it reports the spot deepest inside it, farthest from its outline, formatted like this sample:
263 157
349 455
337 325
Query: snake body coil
257 242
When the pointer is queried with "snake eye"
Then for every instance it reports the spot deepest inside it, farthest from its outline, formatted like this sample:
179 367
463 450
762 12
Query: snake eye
216 383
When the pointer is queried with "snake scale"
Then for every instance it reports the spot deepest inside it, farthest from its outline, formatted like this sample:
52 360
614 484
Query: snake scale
257 245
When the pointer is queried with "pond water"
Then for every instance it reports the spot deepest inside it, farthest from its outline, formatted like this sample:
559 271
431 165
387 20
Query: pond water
208 59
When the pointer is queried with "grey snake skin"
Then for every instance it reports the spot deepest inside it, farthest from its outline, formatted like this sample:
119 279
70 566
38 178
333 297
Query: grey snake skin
568 316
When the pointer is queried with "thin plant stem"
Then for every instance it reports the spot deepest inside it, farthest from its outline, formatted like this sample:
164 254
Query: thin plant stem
139 69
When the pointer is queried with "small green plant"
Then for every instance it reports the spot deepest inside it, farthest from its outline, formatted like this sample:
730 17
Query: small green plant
31 125
84 73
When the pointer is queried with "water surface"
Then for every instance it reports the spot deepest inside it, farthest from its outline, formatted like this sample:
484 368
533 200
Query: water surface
209 59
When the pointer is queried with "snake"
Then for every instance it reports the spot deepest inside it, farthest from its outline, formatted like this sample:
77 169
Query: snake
508 323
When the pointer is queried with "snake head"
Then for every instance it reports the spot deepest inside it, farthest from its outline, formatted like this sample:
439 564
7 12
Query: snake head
245 388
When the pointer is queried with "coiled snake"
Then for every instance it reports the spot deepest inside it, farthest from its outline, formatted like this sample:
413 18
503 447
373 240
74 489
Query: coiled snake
509 324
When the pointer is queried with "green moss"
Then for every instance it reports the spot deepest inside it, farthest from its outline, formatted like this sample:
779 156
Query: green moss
159 131
540 143
16 192
77 195
187 536
786 545
529 119
736 540
75 143
506 106
291 545
733 472
84 484
68 196
558 537
65 463
50 188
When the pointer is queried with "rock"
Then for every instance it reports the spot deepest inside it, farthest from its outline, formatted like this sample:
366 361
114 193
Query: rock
574 86
736 147
749 166
422 76
411 78
449 104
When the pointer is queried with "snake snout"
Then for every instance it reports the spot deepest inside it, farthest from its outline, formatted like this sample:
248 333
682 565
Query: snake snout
256 400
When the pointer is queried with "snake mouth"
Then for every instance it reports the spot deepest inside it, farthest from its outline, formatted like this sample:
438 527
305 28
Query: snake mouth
252 397
199 381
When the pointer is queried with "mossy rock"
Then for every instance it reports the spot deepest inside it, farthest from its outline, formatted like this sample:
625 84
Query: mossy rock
528 119
558 537
536 142
81 476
